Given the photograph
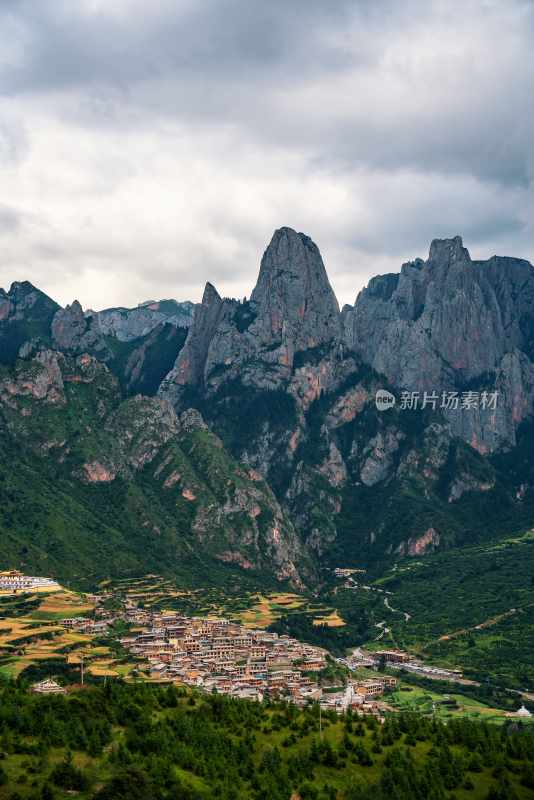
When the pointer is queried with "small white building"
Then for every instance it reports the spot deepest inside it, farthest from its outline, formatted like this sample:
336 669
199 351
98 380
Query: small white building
48 686
14 581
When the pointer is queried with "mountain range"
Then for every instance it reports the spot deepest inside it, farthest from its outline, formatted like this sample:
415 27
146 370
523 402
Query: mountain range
243 436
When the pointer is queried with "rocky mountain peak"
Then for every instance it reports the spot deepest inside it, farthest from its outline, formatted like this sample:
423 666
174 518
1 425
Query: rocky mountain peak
190 364
210 295
25 295
452 322
73 332
293 291
69 325
292 309
444 252
288 251
75 309
25 314
20 289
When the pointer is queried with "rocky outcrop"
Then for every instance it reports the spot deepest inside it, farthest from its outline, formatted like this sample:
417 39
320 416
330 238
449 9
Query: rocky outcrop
72 332
293 301
41 379
378 457
24 302
452 324
418 546
126 324
25 317
291 310
190 366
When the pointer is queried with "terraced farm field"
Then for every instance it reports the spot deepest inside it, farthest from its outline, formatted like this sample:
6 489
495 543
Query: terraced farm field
332 620
252 609
34 643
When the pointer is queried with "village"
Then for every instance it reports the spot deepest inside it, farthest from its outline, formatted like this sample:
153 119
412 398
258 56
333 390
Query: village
131 631
217 654
221 656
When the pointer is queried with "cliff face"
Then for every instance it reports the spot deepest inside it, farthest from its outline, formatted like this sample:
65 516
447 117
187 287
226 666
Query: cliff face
126 324
451 323
258 418
289 383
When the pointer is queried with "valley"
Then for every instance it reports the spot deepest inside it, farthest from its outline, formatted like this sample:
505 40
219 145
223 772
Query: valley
67 635
266 400
227 514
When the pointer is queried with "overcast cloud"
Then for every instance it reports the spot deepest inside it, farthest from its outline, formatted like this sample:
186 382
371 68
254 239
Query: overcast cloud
147 147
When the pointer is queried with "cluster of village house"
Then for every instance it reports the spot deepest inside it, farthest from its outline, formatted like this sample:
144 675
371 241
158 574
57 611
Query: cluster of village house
221 656
217 655
87 625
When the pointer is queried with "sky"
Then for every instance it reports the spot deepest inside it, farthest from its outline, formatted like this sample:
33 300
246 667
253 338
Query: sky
148 147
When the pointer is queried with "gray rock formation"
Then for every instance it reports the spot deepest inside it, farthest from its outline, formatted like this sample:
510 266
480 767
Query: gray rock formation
191 363
25 317
294 303
291 310
451 323
72 332
126 324
24 301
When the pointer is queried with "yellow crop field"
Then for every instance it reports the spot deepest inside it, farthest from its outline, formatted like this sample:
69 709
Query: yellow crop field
287 600
103 668
333 620
268 608
68 604
13 629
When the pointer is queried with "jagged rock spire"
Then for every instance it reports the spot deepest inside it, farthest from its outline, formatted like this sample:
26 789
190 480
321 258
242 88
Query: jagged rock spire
189 367
293 294
449 322
291 309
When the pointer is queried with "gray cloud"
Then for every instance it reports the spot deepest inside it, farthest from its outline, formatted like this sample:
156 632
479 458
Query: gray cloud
155 146
9 220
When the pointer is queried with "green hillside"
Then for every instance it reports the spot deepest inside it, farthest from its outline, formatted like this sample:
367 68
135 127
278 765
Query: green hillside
139 742
96 486
472 607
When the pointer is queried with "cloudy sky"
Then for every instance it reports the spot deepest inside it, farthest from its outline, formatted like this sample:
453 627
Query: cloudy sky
146 147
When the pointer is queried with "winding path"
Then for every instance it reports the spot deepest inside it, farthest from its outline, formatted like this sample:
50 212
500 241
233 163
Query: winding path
383 629
405 614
